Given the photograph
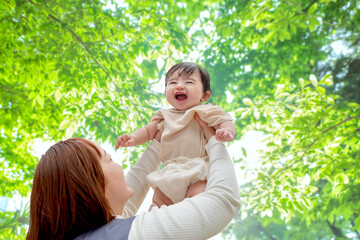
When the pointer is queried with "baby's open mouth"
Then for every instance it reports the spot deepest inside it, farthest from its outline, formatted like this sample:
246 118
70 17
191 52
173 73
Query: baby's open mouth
180 96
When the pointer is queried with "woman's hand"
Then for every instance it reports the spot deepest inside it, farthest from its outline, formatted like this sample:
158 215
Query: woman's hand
208 131
158 136
158 133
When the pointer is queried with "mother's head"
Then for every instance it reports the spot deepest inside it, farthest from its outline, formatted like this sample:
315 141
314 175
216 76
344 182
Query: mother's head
76 188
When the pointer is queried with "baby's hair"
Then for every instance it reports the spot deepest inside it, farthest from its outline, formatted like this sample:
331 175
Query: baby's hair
188 68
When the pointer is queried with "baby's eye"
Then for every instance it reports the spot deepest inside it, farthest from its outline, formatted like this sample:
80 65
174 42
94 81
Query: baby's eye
189 82
172 83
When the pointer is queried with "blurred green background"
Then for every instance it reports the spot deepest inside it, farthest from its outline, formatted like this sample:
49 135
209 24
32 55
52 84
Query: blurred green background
289 69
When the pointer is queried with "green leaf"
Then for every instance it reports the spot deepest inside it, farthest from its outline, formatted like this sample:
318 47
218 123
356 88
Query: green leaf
247 101
283 202
243 150
342 178
293 28
313 80
57 95
245 113
331 218
312 23
270 26
327 80
313 8
290 205
269 36
71 129
298 206
40 100
64 124
284 35
302 82
306 202
321 90
279 89
290 97
284 94
256 113
160 62
240 110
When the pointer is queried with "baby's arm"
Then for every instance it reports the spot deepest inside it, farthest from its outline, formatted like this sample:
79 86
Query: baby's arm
140 136
225 131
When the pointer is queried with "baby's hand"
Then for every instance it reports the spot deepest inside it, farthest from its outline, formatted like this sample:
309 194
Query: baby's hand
224 135
125 141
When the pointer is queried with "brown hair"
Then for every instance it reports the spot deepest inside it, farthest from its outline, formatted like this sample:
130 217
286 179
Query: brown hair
68 194
188 68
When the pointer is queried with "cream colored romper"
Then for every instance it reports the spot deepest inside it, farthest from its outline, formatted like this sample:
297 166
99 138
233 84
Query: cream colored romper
182 149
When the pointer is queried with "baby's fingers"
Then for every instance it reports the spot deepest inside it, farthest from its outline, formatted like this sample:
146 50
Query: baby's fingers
121 140
219 134
130 142
228 137
223 135
118 142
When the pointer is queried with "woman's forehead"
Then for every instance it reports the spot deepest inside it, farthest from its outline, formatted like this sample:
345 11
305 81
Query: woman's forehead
99 149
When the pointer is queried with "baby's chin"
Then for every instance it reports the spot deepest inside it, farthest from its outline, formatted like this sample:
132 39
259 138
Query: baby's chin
184 107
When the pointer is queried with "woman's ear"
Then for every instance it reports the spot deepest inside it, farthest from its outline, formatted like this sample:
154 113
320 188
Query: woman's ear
206 96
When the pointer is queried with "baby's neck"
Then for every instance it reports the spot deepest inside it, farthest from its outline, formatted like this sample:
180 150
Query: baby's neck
186 108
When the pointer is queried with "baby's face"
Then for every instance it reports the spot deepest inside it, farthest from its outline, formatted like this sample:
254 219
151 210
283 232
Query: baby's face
184 92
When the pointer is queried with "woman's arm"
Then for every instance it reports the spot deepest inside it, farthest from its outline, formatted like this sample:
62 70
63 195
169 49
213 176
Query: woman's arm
199 217
136 177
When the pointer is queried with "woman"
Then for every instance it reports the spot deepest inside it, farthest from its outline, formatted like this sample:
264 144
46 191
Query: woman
79 192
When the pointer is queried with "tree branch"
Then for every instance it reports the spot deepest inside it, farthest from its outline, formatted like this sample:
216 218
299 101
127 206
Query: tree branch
339 123
323 132
93 57
32 3
104 38
336 231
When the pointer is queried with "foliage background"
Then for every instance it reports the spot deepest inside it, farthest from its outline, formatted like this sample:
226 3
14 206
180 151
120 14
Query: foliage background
290 69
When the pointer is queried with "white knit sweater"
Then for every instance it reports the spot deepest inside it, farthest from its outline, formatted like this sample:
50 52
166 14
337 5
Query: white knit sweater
200 217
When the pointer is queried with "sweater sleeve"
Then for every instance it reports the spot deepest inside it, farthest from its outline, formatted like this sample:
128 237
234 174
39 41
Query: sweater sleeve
202 216
213 114
157 115
136 177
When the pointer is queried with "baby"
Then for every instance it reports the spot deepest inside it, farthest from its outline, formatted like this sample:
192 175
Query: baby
182 153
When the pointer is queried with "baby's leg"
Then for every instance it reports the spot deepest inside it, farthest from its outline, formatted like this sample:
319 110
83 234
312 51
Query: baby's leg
196 188
160 199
